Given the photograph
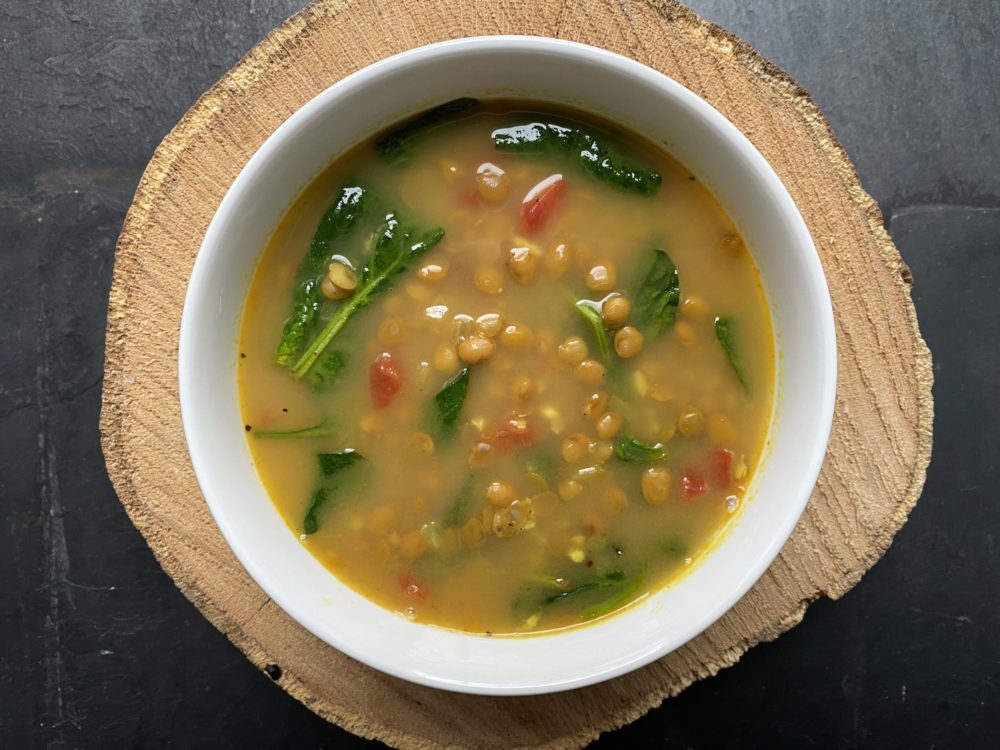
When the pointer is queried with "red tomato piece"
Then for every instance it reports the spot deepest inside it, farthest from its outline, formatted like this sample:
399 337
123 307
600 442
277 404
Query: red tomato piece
412 587
512 433
384 380
722 466
540 201
693 483
469 197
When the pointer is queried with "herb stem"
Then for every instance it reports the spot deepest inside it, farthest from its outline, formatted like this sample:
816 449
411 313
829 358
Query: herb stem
316 430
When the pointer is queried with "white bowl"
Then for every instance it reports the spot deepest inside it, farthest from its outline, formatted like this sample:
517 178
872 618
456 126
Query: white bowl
533 68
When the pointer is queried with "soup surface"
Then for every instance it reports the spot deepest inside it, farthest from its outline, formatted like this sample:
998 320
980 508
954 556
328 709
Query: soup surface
506 368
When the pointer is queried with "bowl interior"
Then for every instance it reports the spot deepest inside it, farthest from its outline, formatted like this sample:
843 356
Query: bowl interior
528 68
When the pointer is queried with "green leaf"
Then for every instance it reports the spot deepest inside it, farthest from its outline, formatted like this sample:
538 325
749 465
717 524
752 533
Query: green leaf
396 146
449 401
724 335
541 465
306 305
607 580
317 430
593 318
459 507
310 524
581 147
675 548
631 450
392 253
331 463
389 246
340 220
658 296
327 368
620 598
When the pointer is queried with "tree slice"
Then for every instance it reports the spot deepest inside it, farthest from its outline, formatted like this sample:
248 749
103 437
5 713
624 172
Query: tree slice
881 440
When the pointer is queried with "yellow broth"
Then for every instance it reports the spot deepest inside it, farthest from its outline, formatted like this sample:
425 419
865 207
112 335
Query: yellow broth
423 524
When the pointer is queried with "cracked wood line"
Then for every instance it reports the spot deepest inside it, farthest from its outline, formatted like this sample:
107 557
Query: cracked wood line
881 438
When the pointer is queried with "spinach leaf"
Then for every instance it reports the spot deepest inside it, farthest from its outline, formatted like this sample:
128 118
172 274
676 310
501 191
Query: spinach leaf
542 466
393 251
306 304
724 335
632 450
449 401
395 146
331 463
327 368
339 220
345 213
580 146
317 430
592 316
621 597
310 524
459 507
611 578
658 296
675 548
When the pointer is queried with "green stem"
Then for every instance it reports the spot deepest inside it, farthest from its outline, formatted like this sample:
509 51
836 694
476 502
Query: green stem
621 598
332 327
317 430
593 318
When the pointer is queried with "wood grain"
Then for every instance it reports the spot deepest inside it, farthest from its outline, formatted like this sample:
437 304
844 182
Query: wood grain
881 440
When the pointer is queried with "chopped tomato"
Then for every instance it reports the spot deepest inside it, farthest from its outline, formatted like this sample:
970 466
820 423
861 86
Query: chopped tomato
722 466
540 201
384 380
512 433
412 587
693 483
469 197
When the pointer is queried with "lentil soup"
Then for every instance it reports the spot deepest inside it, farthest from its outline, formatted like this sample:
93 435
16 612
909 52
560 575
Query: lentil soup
506 368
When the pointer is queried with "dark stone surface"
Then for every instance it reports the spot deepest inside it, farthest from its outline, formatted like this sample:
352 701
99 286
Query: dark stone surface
97 647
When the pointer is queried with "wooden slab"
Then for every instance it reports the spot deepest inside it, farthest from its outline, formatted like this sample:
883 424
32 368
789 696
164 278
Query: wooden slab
881 440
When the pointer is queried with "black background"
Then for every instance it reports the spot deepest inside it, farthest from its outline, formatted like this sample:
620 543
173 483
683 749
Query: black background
97 647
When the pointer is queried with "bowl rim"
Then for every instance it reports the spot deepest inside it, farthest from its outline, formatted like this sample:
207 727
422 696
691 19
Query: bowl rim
507 43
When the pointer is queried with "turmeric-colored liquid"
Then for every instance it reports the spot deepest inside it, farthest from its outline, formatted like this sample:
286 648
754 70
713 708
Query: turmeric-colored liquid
414 524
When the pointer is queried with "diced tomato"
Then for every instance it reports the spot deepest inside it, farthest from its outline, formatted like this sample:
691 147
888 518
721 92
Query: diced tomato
384 380
693 483
512 433
469 197
540 201
722 466
412 587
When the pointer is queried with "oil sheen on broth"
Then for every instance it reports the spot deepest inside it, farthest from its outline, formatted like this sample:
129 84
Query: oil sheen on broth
529 421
